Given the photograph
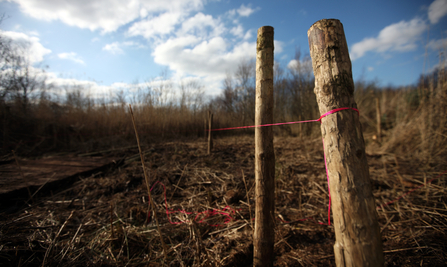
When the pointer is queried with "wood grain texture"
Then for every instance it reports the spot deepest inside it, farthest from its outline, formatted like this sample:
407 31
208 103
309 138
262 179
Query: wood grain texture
264 235
358 240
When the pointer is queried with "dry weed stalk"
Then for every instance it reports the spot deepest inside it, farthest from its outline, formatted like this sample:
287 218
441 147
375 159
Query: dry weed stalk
165 250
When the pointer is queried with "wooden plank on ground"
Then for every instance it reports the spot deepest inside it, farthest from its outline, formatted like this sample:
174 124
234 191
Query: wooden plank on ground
46 170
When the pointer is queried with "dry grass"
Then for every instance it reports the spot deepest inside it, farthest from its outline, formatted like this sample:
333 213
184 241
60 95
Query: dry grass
101 220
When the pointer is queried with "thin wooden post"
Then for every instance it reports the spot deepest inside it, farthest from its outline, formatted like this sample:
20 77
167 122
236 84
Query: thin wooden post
146 178
264 235
379 121
205 134
210 138
358 241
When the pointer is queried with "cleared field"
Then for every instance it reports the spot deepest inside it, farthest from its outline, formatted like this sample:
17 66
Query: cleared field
102 220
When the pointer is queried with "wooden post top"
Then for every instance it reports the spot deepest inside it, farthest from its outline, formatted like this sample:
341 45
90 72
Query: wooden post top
265 35
334 85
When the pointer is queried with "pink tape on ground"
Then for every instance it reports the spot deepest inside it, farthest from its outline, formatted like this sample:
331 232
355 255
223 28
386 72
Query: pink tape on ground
229 212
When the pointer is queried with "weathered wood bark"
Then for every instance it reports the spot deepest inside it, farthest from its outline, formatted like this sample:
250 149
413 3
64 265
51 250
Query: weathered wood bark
264 235
379 120
210 137
358 241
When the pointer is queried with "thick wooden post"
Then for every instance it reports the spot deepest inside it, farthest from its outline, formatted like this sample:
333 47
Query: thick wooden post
358 241
264 235
379 121
210 137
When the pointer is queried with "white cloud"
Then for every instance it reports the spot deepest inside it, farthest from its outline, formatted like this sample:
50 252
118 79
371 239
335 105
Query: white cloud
200 46
247 35
299 66
28 46
190 55
133 44
202 26
207 47
176 23
114 48
401 37
238 31
156 26
87 88
182 38
437 45
245 11
278 45
370 68
143 12
231 13
71 56
292 64
63 82
103 14
437 10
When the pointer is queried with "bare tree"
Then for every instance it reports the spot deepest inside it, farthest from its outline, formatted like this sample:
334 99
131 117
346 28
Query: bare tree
226 101
238 95
245 77
18 78
300 89
191 95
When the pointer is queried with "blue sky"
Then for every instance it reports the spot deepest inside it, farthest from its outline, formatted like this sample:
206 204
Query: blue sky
107 45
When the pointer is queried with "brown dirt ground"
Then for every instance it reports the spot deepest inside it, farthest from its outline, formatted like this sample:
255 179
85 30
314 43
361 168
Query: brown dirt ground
101 220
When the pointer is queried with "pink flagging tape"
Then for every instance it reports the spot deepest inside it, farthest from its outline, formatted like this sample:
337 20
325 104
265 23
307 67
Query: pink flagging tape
325 162
283 123
328 188
200 217
263 125
228 213
336 110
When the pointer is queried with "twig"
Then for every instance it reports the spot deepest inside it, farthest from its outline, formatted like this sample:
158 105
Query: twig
147 185
178 182
402 249
429 225
71 242
16 220
236 225
322 189
386 224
